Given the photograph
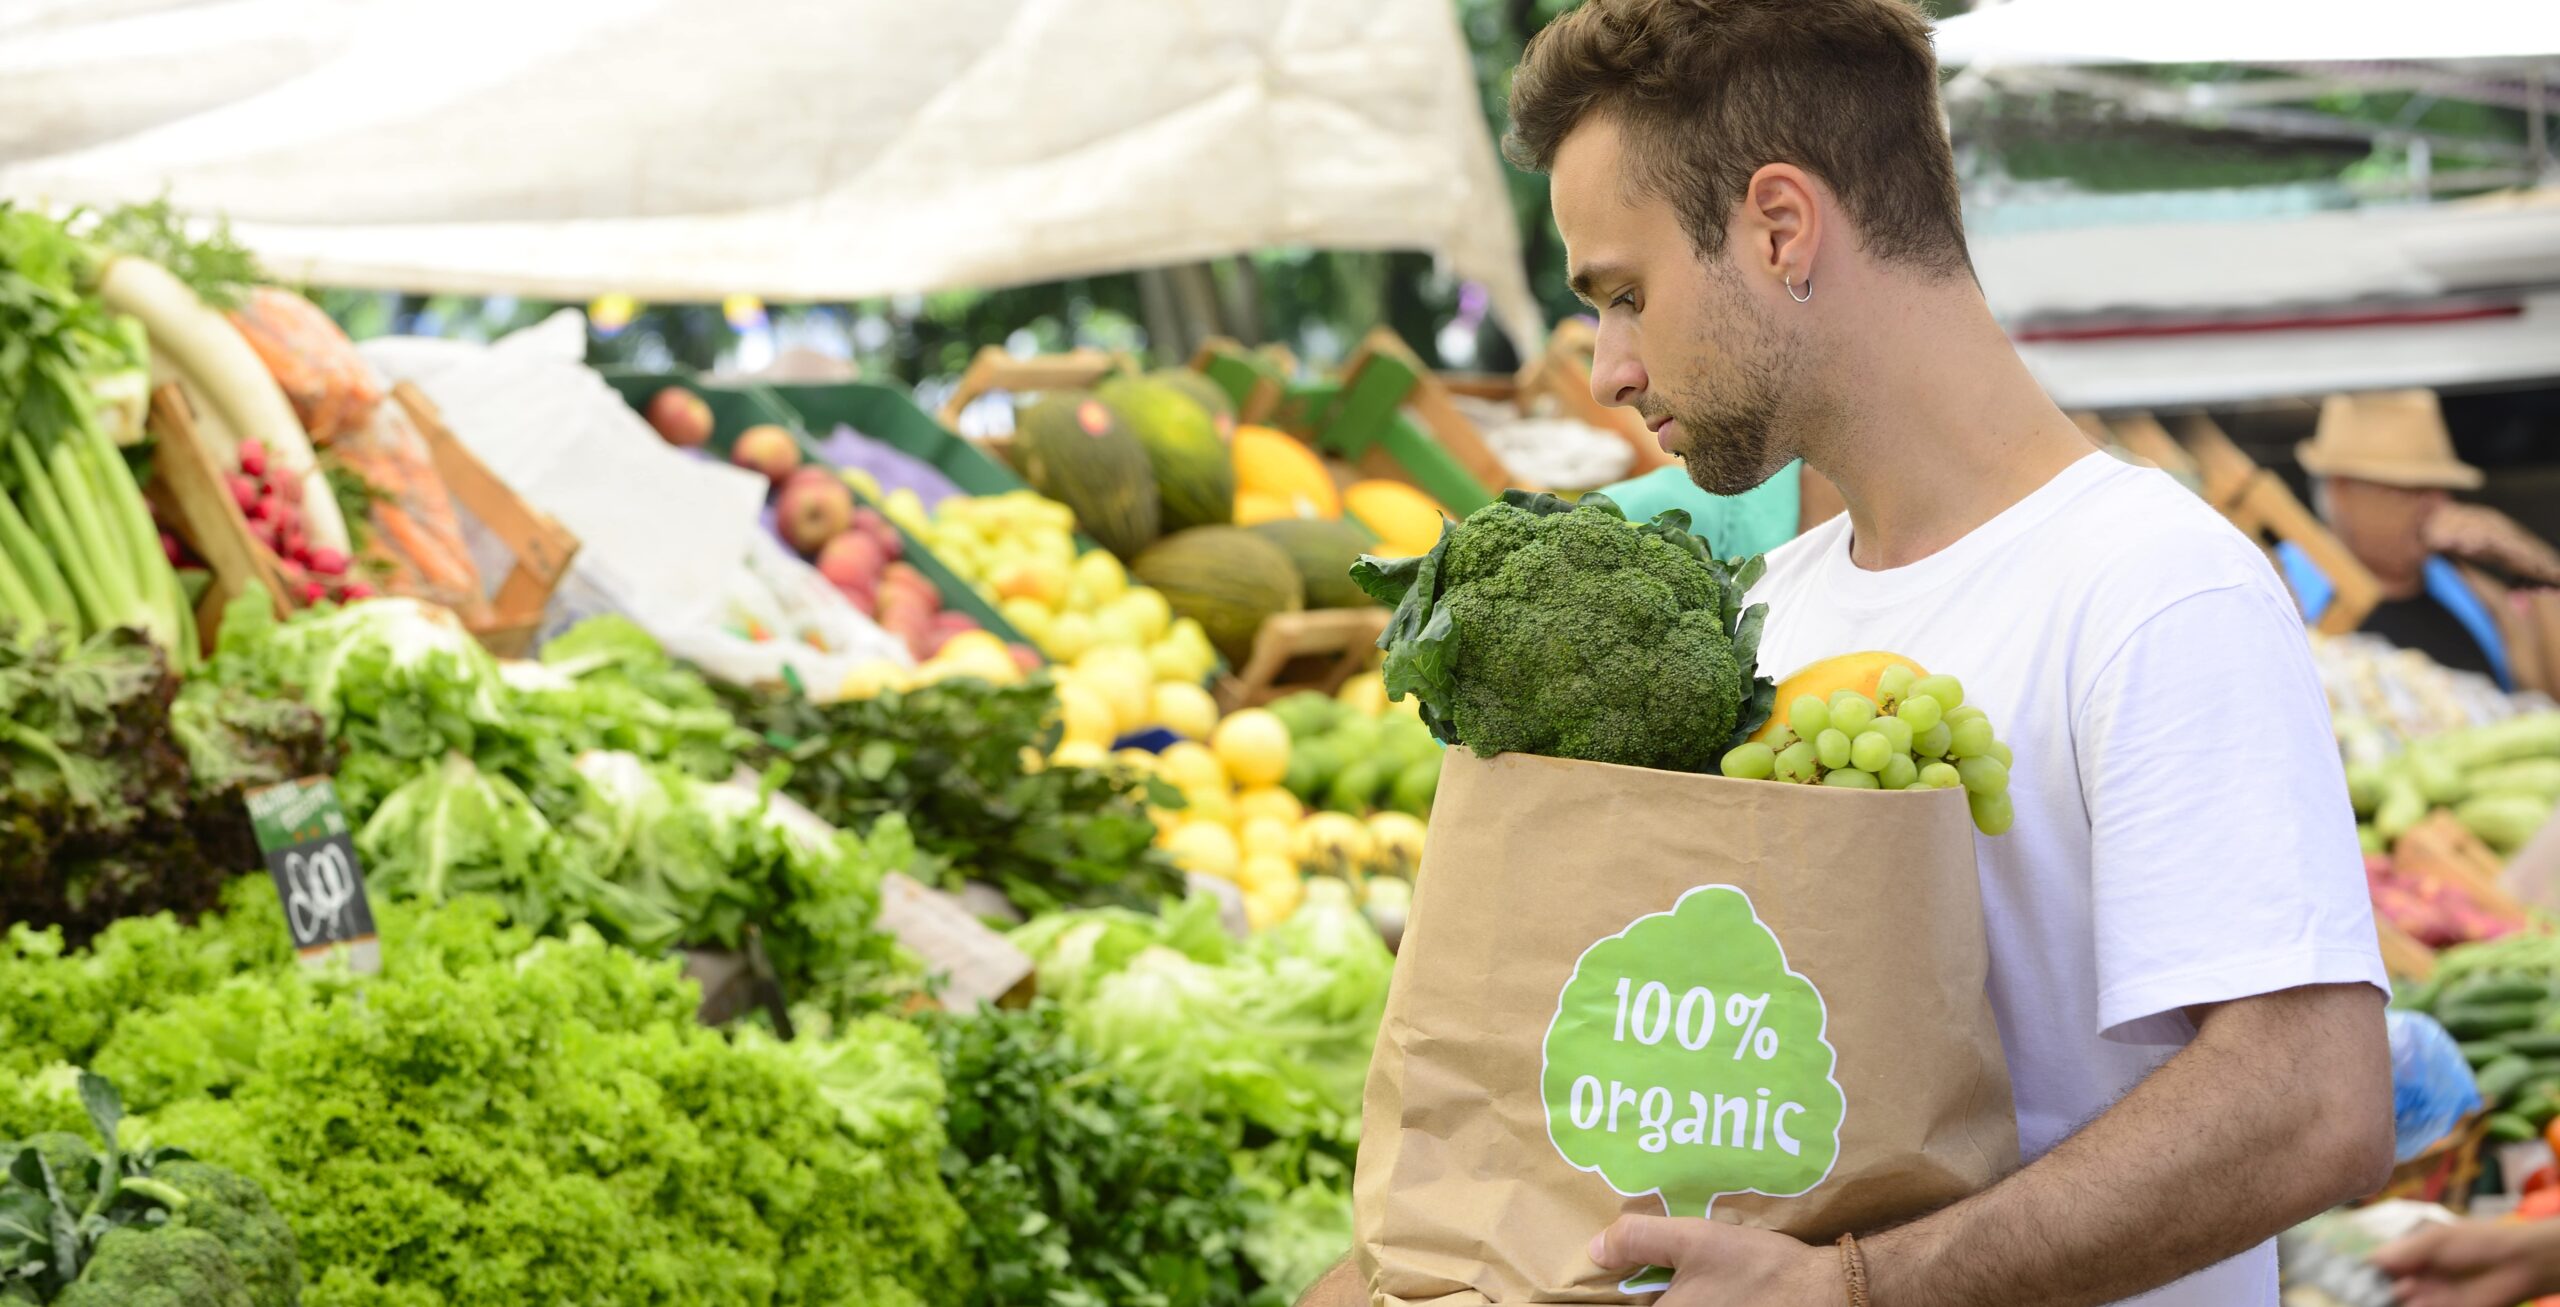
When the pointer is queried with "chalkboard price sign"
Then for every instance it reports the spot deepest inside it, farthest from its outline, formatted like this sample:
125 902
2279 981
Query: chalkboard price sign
312 856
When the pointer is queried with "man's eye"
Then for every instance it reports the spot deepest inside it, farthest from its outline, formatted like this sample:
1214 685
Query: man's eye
1626 299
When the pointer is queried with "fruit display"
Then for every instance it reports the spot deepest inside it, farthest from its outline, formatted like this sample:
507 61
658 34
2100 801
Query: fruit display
1279 477
2501 780
1019 551
1243 820
1355 752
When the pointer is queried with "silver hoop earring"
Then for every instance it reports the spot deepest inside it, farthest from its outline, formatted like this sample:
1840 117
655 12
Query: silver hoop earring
1807 297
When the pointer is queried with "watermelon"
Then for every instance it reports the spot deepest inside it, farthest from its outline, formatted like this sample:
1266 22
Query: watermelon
1073 448
1195 476
1324 552
1225 578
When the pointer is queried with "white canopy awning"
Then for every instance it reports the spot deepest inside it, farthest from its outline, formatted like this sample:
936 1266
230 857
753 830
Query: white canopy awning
2447 295
2248 31
797 149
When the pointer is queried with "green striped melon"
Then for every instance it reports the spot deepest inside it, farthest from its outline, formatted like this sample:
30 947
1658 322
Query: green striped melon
1226 578
1073 448
1195 473
1324 552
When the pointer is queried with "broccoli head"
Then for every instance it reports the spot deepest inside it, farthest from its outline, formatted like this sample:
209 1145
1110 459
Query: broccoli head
1538 626
167 1267
233 1209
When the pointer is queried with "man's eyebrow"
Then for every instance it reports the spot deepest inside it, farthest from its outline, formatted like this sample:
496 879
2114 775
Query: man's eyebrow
1588 276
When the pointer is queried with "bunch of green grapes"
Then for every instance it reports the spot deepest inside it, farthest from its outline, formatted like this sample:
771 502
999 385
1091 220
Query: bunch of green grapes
1919 735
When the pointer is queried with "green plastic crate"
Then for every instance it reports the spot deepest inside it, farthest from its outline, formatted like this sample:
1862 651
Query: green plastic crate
886 414
738 406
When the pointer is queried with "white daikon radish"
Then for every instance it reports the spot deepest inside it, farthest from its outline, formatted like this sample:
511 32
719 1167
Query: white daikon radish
219 365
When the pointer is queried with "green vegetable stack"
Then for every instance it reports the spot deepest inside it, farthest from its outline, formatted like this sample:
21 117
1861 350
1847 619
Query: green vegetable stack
2501 999
84 1226
78 550
1539 626
2501 780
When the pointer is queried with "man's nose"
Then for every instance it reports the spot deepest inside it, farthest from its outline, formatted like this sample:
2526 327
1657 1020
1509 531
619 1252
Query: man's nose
1617 376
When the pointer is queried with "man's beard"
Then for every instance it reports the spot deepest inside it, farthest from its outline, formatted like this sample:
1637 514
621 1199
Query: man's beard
1729 441
1732 439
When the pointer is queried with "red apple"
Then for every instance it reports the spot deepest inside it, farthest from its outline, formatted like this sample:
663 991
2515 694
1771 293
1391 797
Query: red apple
680 416
950 623
852 559
814 509
768 449
1024 657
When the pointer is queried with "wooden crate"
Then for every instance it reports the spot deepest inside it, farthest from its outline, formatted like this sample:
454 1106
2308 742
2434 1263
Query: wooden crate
995 369
2264 508
189 490
188 486
1315 650
1562 375
1438 450
542 547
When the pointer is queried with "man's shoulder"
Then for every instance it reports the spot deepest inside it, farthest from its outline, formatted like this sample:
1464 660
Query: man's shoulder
2142 541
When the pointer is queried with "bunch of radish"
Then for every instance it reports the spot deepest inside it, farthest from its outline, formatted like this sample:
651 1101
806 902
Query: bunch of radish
273 504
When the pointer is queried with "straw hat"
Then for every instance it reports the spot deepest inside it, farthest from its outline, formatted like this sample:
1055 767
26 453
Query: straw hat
2390 437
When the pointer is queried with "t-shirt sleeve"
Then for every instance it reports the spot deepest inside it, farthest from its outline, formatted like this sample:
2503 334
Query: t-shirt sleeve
2223 845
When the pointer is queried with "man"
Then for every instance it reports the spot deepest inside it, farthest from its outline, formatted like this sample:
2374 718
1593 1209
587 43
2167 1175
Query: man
2386 469
1759 200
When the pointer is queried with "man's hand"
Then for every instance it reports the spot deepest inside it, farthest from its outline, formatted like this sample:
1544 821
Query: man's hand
2475 1264
2488 537
1719 1265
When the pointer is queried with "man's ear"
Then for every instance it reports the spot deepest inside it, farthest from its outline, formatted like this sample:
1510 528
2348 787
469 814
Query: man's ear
1780 224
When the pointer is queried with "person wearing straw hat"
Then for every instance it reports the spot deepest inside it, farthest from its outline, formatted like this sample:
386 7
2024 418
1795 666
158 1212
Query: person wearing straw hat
2384 471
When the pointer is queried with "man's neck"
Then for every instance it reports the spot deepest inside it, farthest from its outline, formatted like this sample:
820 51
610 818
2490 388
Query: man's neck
1939 429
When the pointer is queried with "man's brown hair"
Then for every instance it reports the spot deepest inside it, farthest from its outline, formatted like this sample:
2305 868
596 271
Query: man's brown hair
1706 92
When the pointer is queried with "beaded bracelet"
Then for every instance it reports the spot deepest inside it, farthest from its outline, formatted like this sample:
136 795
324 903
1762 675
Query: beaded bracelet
1853 1268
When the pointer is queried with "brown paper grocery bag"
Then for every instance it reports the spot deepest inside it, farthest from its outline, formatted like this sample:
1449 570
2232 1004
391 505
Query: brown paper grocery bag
1625 990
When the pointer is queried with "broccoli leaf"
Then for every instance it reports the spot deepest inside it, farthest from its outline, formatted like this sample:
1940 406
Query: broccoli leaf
1420 639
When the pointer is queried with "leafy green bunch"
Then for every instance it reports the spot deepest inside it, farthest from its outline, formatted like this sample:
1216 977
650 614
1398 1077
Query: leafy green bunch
950 757
1542 626
1080 1188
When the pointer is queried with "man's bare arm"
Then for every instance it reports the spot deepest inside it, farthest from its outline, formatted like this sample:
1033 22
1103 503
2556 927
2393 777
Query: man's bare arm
2279 1110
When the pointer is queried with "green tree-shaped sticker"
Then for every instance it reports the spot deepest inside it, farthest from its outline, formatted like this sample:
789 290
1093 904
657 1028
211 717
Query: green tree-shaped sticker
1687 1060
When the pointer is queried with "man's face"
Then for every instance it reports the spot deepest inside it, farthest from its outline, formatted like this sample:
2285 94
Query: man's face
1681 339
2380 524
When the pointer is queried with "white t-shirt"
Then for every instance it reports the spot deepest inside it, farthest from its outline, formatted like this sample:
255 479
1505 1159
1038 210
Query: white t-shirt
2183 834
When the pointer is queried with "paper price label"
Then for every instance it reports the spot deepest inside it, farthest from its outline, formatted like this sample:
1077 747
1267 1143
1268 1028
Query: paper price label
311 854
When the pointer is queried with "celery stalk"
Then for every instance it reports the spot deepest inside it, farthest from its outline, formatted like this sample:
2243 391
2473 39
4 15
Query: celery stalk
35 567
53 524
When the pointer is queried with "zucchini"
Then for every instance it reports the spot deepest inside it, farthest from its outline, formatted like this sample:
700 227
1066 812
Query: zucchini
2482 1052
2533 1043
2423 996
2508 1128
2500 1080
2538 1101
2497 989
2488 1020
